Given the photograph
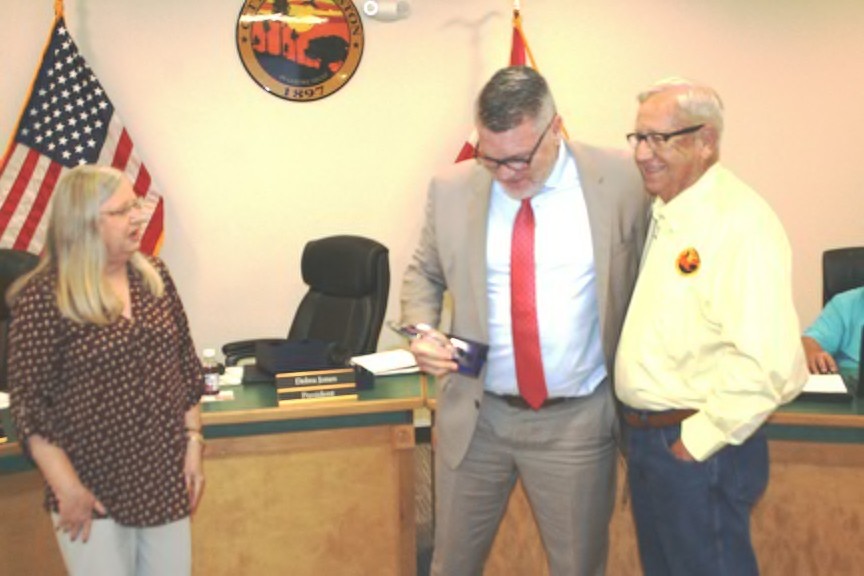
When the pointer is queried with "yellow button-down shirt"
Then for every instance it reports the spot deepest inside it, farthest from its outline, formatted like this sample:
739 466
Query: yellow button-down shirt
712 325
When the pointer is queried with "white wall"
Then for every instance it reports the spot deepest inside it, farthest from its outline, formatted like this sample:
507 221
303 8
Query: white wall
248 177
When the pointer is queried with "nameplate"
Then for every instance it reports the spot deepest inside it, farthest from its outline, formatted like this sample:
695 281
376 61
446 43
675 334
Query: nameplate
329 377
350 386
326 394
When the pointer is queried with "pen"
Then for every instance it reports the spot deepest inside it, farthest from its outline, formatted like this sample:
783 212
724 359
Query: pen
420 330
426 331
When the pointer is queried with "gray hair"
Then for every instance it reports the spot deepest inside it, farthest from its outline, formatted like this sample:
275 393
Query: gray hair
512 95
699 102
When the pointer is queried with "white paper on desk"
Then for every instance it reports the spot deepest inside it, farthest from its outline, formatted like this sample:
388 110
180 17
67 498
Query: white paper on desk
825 384
4 399
399 361
233 376
222 396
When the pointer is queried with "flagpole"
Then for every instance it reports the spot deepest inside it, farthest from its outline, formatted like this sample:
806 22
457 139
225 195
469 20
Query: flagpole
58 8
517 24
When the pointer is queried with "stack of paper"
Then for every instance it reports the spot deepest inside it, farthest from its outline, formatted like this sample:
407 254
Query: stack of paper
399 361
829 387
825 384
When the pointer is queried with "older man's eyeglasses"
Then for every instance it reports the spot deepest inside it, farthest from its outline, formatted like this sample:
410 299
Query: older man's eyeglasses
516 163
659 140
124 210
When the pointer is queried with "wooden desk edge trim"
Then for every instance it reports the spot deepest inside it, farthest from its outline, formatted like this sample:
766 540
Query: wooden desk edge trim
811 419
306 411
784 418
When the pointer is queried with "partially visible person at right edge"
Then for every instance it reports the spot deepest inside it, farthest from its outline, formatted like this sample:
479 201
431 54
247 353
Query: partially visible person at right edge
833 342
710 345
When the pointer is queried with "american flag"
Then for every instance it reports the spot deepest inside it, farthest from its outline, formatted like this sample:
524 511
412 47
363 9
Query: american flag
68 120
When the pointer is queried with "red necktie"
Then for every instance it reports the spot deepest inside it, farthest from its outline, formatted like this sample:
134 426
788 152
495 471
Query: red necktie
523 310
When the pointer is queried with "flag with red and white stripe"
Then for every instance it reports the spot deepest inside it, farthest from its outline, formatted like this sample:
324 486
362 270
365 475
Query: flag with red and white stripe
68 120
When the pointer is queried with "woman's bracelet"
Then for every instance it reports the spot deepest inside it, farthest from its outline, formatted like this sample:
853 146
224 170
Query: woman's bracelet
194 435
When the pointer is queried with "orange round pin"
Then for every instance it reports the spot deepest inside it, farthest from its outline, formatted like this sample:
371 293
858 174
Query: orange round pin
688 261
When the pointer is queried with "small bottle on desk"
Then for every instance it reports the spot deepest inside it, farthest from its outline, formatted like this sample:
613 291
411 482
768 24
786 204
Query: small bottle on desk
211 371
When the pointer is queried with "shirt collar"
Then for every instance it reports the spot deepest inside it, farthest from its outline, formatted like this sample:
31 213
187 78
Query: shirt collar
689 204
561 171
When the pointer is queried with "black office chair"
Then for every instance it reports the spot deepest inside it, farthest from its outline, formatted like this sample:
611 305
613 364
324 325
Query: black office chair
13 263
842 270
349 282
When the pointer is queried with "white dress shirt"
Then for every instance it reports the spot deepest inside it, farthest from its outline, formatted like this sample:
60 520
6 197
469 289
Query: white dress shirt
567 311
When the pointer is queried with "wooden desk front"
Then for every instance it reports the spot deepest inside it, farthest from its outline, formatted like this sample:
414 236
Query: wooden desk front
324 488
810 521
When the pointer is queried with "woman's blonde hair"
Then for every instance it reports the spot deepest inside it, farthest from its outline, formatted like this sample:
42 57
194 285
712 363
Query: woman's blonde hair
75 249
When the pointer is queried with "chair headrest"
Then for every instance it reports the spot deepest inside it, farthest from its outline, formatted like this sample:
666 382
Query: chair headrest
13 263
842 270
344 265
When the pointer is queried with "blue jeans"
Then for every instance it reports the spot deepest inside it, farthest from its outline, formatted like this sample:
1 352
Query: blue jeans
693 518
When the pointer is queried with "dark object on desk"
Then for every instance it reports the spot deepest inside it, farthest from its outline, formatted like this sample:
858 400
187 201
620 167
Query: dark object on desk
273 357
276 356
842 270
252 374
825 397
13 264
309 357
365 378
349 282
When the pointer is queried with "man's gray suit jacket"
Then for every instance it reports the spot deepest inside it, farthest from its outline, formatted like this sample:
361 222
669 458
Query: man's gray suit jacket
451 257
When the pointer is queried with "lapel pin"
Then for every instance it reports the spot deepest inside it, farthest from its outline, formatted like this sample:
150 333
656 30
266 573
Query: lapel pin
688 261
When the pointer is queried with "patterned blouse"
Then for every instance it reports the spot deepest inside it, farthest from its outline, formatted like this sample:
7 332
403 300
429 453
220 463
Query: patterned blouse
112 397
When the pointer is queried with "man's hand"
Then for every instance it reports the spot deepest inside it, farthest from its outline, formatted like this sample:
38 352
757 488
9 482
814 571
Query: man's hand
680 451
434 353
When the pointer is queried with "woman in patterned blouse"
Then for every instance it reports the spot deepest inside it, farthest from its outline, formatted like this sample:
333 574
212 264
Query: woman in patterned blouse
105 384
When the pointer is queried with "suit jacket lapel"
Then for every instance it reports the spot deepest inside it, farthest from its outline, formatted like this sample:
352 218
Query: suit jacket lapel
591 180
478 211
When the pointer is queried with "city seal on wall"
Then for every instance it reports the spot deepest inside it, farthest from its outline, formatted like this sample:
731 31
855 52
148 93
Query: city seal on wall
300 50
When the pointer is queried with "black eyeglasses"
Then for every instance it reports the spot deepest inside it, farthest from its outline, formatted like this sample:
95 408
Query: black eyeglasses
658 140
516 163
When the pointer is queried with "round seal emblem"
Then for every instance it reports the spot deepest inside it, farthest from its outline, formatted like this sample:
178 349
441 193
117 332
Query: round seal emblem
300 50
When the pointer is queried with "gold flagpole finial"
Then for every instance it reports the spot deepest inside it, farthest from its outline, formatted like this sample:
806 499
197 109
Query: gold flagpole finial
58 8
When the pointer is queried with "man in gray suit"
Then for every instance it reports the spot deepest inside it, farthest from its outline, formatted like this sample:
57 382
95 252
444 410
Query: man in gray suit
554 424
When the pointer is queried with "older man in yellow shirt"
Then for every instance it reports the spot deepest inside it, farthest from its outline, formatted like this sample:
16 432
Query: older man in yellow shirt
710 344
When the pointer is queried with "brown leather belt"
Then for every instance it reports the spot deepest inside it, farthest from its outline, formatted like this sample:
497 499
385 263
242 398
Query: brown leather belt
649 419
519 401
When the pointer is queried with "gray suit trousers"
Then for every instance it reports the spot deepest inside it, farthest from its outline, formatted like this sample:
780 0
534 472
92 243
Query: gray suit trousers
565 455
